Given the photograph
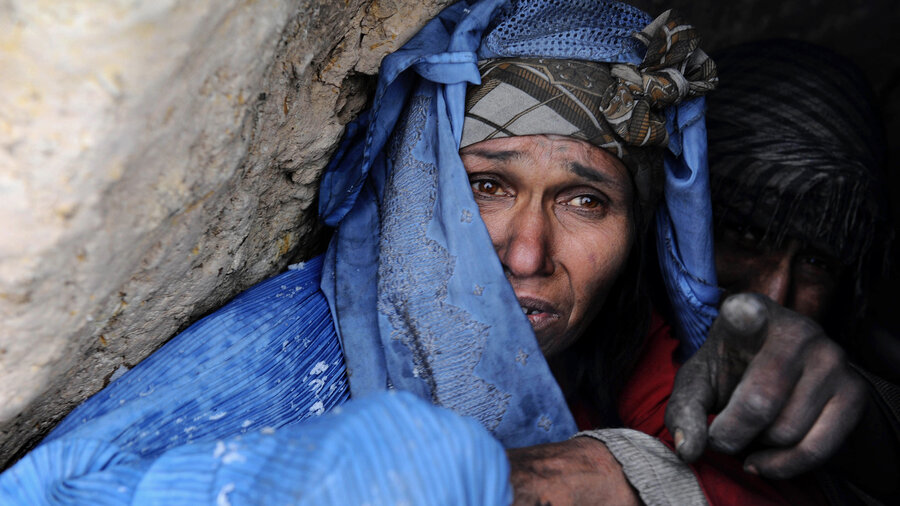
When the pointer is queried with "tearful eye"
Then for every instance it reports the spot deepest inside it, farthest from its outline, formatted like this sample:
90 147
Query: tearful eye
486 186
586 201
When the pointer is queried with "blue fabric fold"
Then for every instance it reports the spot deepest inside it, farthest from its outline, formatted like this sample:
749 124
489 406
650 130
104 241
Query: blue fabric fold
386 449
267 359
433 53
418 295
684 240
228 412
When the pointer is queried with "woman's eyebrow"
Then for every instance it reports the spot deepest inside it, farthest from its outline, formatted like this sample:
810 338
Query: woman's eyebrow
500 156
592 174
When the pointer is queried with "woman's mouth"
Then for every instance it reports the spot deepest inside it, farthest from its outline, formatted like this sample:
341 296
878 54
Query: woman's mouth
540 313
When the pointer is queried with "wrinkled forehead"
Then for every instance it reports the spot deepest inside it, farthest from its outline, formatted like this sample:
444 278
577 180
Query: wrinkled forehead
578 160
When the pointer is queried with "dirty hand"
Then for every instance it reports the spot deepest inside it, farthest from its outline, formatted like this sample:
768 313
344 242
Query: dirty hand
775 379
578 471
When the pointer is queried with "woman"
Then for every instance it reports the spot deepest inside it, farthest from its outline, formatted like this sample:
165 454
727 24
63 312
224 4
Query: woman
432 255
434 292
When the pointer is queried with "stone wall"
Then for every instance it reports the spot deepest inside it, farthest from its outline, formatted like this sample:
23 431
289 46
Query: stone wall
156 158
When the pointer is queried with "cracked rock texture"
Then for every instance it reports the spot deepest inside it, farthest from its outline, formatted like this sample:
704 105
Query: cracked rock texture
156 158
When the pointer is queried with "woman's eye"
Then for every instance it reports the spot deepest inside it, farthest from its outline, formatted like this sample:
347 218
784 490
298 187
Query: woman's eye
486 186
585 201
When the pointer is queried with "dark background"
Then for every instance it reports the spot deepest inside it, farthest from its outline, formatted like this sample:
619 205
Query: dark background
865 31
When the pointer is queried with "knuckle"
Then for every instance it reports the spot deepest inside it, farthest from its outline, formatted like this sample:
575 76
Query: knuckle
785 435
798 331
830 357
828 361
833 350
759 407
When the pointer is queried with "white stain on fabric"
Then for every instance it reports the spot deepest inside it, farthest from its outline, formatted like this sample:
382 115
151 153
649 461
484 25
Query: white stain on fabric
299 266
232 457
247 423
319 368
220 450
267 430
218 416
317 385
317 409
222 497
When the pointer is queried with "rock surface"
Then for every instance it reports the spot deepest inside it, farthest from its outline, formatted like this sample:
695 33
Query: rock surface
156 158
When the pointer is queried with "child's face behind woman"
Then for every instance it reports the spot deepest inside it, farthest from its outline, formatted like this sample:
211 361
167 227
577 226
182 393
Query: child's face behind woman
559 213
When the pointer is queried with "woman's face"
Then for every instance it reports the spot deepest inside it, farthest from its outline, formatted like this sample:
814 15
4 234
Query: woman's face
558 211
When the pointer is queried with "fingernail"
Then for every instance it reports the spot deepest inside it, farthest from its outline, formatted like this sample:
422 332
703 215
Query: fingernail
750 468
679 439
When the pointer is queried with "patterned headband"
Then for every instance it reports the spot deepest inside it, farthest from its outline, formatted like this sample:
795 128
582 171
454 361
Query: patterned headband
612 105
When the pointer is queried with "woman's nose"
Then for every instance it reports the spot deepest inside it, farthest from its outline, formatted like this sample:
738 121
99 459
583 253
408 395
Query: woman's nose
527 250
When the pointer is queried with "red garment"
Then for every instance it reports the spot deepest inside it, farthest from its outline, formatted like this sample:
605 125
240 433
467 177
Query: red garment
642 406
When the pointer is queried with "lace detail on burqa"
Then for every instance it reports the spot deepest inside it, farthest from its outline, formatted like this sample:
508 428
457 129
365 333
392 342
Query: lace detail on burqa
444 340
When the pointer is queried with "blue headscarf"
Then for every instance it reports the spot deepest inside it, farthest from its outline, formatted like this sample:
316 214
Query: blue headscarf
417 292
